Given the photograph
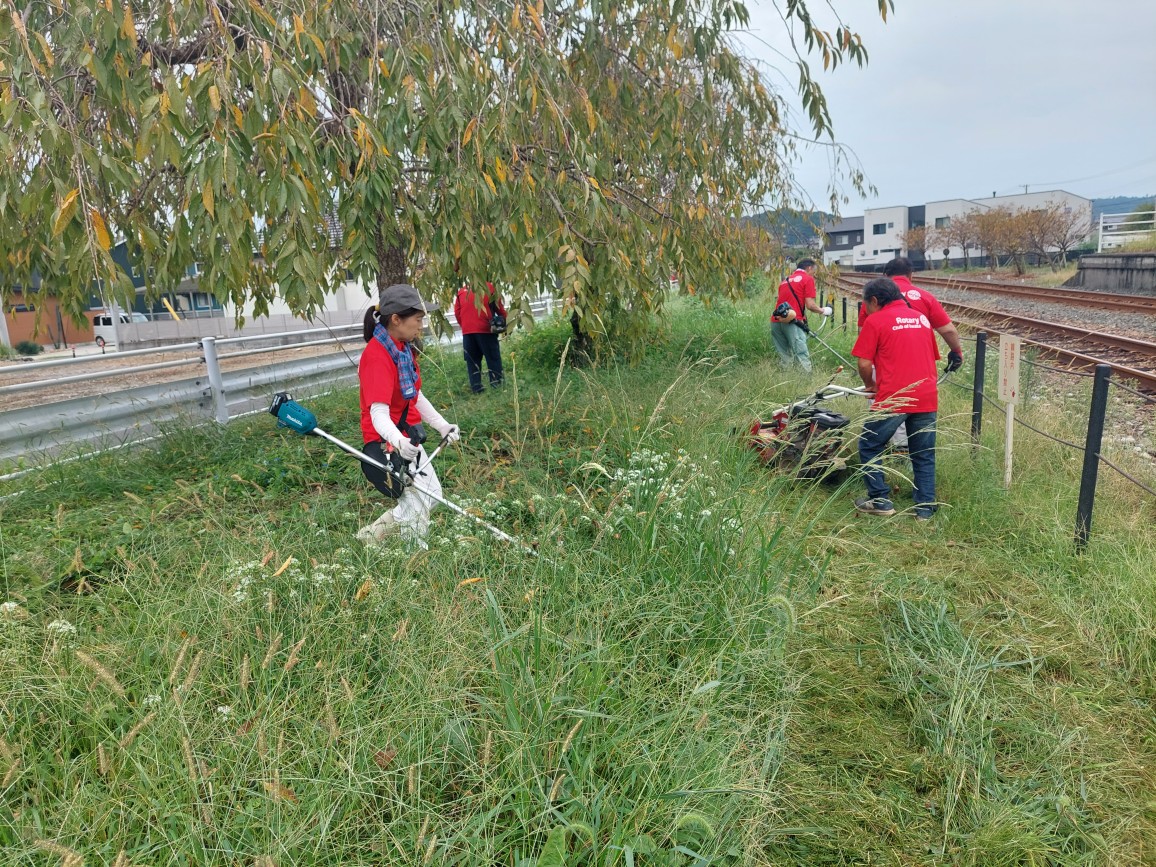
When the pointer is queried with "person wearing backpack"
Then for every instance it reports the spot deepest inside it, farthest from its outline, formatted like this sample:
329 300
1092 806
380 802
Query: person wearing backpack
481 320
788 322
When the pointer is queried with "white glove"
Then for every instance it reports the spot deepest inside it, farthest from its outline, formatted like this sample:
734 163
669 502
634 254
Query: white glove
404 447
451 433
827 311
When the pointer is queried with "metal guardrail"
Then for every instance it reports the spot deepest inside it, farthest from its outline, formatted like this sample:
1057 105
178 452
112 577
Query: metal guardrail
35 435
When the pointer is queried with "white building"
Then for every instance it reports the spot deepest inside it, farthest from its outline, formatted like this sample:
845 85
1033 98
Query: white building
884 228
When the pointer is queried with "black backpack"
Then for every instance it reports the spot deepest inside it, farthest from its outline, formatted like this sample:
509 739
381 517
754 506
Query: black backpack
497 320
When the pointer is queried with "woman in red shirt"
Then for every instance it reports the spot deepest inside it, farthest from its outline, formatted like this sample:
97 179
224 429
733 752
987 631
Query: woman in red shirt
478 339
393 410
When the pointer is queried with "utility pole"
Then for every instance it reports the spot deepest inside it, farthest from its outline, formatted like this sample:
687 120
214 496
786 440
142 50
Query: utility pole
1026 188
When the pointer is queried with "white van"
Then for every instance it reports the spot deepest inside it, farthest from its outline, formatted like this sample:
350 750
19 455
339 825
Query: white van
103 331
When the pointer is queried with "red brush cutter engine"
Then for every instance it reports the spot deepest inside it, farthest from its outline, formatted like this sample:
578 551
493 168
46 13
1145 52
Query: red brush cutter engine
806 437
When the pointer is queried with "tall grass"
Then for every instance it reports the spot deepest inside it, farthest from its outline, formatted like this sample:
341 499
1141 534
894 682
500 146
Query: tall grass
708 662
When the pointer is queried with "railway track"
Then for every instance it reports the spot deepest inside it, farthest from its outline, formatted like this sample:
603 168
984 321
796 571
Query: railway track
1071 297
1128 356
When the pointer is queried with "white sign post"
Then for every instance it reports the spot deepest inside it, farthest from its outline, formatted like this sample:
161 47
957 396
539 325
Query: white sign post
1009 393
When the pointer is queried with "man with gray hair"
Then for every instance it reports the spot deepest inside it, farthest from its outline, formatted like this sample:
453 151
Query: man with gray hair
896 360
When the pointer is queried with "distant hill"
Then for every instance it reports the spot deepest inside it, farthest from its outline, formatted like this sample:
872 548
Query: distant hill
792 228
1117 205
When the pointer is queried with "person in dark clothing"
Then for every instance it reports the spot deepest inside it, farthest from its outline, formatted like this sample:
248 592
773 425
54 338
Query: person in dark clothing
475 318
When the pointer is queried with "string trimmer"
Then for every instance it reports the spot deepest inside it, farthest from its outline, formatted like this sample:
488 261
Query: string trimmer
297 418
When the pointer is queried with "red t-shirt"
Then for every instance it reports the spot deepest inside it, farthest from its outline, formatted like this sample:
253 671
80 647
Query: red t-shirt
381 384
466 310
921 300
896 341
795 290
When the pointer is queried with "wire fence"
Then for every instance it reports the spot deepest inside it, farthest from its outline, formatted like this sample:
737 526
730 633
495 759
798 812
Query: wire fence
1075 446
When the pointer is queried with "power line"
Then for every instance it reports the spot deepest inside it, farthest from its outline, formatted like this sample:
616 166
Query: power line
1092 177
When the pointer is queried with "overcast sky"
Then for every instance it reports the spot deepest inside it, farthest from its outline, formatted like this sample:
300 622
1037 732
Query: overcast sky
965 97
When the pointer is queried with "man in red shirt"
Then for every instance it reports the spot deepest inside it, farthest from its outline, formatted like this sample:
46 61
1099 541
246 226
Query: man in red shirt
899 270
474 317
797 292
896 358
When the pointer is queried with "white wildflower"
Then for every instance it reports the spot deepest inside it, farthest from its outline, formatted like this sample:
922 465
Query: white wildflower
61 629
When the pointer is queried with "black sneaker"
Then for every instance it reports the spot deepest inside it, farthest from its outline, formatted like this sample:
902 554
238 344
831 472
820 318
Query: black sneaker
875 506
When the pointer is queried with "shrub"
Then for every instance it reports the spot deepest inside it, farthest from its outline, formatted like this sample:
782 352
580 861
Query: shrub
28 347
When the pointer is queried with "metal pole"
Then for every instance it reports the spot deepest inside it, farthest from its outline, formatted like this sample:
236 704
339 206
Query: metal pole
1092 454
977 386
5 340
844 312
216 382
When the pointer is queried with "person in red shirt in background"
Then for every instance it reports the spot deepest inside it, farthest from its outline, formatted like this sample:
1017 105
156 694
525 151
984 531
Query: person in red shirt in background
899 270
895 352
474 317
797 292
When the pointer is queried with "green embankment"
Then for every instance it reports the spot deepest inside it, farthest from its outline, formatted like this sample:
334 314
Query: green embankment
706 658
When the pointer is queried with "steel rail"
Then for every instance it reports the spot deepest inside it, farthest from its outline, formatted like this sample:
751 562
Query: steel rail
1071 297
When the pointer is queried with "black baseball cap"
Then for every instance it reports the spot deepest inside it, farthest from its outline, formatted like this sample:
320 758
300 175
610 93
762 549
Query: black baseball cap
401 297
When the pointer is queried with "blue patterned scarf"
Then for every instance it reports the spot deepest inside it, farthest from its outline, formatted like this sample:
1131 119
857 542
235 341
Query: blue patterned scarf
402 359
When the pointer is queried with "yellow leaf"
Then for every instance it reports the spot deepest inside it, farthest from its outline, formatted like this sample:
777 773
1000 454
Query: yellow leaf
100 229
238 117
594 183
165 102
516 18
18 23
128 28
67 211
284 566
500 169
317 43
207 199
536 17
528 224
256 7
48 51
383 68
469 133
298 25
280 792
591 120
215 97
308 103
466 582
490 183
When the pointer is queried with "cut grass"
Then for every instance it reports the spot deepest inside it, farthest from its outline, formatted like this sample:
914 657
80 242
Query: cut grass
707 658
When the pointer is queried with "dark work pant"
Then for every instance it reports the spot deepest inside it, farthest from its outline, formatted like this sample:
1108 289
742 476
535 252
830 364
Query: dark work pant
921 448
475 347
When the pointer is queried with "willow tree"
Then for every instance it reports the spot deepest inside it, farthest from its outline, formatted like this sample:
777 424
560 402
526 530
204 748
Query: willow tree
590 146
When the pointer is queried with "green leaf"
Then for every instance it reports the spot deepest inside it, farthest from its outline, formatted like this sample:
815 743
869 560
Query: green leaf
556 850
